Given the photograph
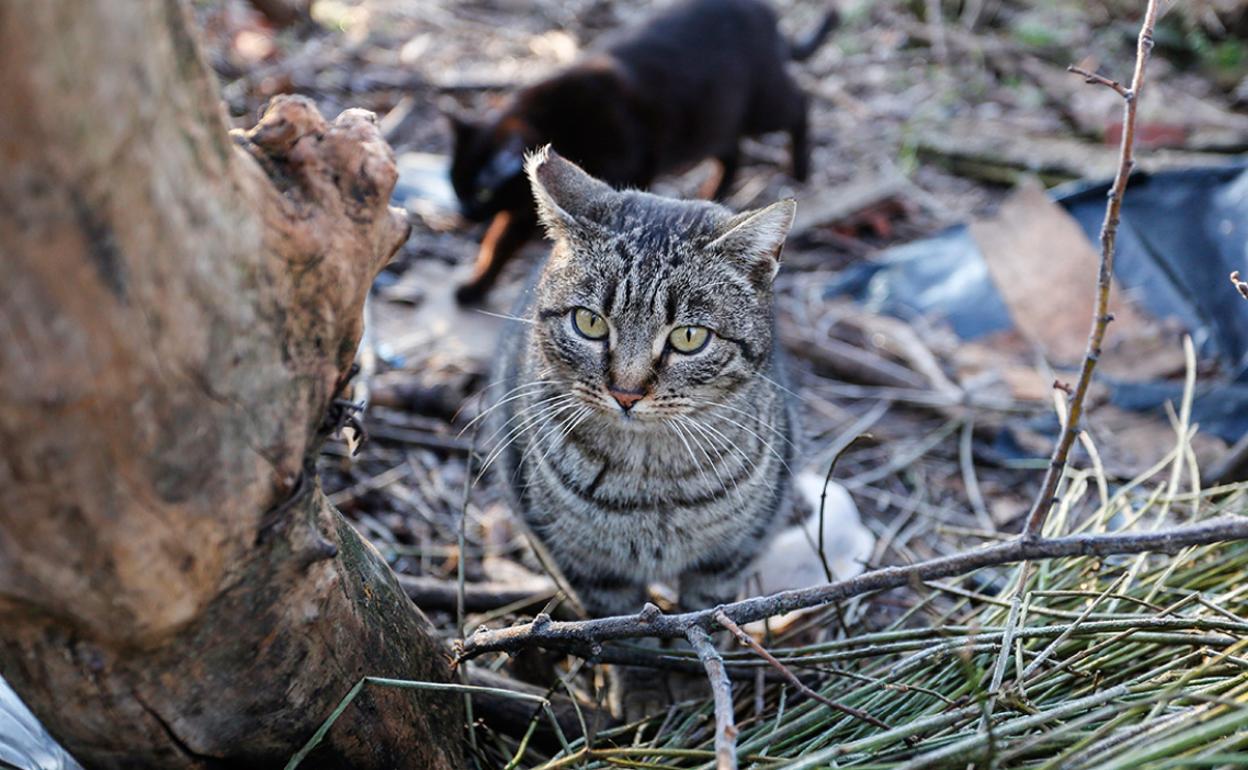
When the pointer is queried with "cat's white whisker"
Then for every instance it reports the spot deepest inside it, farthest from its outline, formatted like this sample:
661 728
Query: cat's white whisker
693 425
764 441
693 460
714 466
517 392
540 420
546 430
792 393
513 396
571 423
504 316
758 420
537 405
730 446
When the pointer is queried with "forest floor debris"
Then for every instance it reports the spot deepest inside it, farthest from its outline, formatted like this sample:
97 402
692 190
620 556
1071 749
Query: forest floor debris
959 430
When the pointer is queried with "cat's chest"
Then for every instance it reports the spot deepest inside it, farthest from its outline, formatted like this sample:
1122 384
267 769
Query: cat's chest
656 502
631 465
602 477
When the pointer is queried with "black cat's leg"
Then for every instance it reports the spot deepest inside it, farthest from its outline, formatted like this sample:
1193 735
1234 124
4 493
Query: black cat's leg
799 134
507 233
729 162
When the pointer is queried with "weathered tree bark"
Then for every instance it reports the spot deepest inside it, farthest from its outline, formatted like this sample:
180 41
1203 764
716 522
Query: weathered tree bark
177 310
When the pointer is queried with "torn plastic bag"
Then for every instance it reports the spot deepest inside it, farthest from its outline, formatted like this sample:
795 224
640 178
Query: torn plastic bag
1182 233
24 744
943 277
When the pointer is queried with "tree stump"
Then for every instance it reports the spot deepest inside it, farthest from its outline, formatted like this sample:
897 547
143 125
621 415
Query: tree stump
178 309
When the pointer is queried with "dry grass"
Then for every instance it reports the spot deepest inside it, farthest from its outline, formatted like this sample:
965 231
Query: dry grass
1073 663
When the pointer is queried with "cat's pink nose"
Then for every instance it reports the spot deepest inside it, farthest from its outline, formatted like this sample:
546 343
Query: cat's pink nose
626 397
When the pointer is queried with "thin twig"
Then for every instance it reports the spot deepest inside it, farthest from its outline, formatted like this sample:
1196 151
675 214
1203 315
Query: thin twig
430 593
753 644
459 580
966 460
1044 655
406 684
1094 79
823 499
582 637
420 438
1101 316
721 688
1012 622
363 487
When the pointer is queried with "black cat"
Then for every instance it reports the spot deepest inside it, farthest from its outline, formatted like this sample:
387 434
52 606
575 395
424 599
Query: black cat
684 86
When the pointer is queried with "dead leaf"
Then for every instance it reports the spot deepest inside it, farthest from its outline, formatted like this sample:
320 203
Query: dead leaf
1045 269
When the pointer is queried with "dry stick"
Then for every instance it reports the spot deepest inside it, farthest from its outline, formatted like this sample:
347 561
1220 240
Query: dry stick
784 670
459 583
584 637
1094 79
966 460
823 499
721 688
1109 231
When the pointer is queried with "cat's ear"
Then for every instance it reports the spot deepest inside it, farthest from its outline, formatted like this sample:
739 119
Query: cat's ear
755 238
564 193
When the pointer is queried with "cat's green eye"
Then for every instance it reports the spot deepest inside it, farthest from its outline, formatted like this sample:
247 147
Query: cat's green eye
589 324
689 339
484 195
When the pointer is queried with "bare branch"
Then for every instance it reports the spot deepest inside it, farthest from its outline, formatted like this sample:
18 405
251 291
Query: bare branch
1095 79
792 678
721 688
1101 315
585 637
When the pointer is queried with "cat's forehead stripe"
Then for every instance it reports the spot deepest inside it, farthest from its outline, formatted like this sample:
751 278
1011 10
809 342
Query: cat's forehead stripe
659 284
608 296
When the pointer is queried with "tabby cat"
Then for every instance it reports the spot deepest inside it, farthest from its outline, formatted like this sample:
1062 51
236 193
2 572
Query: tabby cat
683 86
643 428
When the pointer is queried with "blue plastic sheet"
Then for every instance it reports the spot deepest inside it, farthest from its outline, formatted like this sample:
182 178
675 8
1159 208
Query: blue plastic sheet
1182 233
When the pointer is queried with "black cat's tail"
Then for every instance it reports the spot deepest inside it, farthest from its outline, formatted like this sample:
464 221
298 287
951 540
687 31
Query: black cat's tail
803 49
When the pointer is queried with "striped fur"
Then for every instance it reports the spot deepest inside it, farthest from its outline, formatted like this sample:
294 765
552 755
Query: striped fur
690 484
